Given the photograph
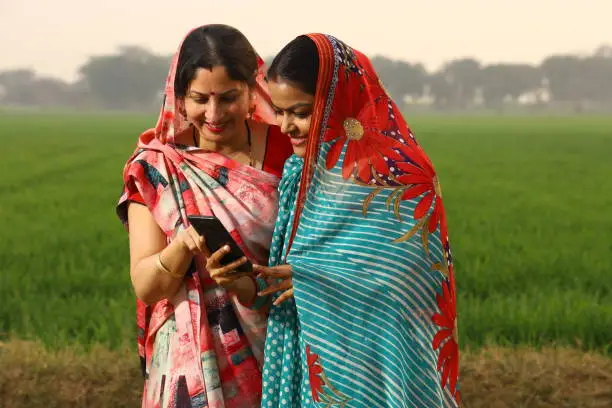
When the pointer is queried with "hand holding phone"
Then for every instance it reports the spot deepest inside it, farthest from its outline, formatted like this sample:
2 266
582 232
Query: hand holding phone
216 237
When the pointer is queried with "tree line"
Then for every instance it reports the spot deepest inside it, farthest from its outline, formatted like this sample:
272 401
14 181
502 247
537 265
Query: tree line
133 79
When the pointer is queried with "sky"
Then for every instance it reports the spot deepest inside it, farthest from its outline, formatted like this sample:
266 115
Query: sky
55 37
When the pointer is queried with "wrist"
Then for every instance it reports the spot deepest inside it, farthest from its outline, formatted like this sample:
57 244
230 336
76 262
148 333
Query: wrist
178 247
169 260
161 266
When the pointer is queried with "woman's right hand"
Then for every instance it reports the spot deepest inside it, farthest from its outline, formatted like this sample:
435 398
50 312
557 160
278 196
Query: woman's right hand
192 241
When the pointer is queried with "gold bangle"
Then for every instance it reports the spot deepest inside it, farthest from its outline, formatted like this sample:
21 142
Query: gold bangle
163 268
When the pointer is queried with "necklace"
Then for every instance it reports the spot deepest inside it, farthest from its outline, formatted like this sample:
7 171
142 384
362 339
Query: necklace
196 142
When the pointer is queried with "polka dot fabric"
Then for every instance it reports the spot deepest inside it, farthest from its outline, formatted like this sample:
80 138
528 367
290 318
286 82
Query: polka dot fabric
285 384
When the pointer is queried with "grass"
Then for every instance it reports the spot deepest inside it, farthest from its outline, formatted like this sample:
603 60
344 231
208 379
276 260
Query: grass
528 203
64 254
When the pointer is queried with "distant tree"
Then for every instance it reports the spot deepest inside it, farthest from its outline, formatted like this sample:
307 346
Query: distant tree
565 77
441 87
23 87
597 75
17 86
400 78
502 80
51 92
463 76
132 78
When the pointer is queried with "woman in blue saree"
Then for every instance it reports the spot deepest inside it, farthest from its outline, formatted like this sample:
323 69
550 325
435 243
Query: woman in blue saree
364 312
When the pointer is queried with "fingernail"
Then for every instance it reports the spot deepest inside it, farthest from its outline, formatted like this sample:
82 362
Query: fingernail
226 248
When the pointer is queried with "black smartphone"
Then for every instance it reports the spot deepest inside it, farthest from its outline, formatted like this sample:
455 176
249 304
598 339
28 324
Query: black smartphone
216 236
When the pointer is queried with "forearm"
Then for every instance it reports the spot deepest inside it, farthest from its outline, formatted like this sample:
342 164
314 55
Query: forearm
151 283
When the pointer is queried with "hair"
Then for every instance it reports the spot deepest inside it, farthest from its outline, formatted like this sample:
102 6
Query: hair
211 46
298 63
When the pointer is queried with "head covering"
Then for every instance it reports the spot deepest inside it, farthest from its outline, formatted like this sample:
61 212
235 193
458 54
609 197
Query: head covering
361 221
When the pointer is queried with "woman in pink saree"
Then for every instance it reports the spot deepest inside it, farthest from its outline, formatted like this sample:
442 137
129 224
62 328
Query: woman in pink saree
201 329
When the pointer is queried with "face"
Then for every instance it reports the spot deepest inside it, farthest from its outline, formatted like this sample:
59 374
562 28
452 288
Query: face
293 112
217 105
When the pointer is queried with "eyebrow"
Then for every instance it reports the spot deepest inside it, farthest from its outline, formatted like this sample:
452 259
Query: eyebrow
233 90
295 106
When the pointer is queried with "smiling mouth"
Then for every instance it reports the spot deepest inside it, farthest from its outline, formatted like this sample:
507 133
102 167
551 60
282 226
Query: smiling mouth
215 127
298 140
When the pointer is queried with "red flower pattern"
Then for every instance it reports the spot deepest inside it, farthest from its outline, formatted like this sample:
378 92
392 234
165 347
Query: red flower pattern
360 121
424 180
446 338
314 374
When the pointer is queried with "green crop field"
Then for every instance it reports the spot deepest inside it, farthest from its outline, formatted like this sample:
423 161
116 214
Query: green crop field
529 203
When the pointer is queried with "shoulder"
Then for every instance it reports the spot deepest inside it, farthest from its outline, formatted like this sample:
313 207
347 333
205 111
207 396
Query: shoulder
145 167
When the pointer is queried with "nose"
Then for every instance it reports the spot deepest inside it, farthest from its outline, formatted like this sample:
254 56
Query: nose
214 112
286 123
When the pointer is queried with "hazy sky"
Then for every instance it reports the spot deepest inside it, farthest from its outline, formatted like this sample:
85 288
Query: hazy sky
56 36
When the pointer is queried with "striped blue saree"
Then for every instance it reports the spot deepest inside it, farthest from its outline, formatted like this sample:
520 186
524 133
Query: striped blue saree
361 221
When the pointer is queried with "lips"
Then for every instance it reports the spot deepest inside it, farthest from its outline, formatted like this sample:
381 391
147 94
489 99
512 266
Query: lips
215 127
298 141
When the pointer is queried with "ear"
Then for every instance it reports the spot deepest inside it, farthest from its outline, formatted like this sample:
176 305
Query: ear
252 99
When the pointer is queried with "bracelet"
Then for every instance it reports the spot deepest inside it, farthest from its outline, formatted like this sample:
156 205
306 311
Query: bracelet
161 267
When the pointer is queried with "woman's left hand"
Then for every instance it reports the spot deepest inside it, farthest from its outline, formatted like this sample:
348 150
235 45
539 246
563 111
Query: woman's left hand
282 272
224 275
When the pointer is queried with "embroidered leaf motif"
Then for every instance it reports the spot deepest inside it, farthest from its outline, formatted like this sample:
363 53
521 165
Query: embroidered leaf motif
332 397
396 206
368 200
425 237
410 233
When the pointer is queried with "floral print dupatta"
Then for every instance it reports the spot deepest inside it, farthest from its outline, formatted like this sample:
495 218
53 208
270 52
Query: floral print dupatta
362 222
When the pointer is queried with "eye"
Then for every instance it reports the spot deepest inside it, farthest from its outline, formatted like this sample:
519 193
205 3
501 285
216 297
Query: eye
200 100
302 115
229 98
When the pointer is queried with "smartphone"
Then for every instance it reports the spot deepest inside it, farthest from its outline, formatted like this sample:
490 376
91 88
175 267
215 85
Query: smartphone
211 228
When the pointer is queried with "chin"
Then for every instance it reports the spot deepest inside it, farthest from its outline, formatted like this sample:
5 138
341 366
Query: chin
300 152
